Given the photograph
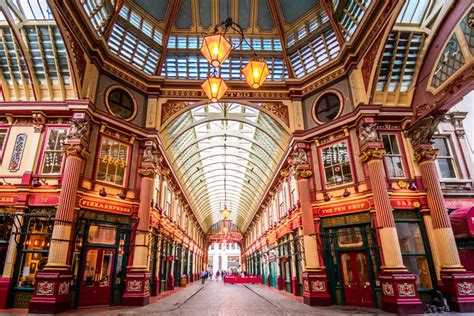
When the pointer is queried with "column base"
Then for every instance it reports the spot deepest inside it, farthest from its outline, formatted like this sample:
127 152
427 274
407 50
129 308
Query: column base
459 288
280 282
137 288
315 288
156 287
294 285
170 282
268 280
399 293
183 281
5 288
51 295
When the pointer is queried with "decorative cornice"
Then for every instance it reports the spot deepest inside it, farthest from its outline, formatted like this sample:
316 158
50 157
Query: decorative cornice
77 150
147 172
372 153
422 131
425 154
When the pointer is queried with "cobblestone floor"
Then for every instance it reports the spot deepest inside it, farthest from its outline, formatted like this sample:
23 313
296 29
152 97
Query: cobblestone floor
215 298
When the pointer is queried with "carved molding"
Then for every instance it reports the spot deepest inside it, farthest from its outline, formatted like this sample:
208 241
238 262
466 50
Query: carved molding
79 130
279 110
422 131
368 133
168 109
372 153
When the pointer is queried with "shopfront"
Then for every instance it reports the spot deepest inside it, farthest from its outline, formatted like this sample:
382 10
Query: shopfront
351 256
7 216
154 261
284 253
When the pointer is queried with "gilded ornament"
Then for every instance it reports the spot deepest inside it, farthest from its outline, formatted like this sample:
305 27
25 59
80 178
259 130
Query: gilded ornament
75 150
372 154
368 133
426 154
298 157
303 174
147 172
79 130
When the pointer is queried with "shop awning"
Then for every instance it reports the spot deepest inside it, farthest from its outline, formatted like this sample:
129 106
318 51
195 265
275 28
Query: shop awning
462 221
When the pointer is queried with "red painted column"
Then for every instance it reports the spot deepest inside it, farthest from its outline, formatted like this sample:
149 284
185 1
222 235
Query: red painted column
51 293
457 283
314 277
399 289
137 280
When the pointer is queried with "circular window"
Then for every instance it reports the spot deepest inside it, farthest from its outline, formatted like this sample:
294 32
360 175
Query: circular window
120 103
327 107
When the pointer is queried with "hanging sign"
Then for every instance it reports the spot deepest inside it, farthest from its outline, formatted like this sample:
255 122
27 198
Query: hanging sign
100 205
345 208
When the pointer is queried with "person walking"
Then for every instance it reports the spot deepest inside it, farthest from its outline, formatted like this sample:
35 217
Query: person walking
203 276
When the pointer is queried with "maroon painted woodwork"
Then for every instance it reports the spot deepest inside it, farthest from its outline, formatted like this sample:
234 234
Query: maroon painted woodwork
137 288
399 293
356 279
315 288
459 287
51 294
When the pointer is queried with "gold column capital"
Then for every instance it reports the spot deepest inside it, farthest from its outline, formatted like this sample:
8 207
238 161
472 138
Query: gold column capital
303 174
425 154
147 172
77 150
372 153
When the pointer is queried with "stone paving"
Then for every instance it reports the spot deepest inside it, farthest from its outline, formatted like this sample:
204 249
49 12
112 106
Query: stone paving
216 298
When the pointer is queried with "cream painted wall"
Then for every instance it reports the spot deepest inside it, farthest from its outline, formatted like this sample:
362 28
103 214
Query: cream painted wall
28 158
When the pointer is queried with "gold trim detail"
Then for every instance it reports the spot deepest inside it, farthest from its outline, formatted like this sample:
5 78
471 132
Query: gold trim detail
303 174
372 154
75 150
428 154
147 172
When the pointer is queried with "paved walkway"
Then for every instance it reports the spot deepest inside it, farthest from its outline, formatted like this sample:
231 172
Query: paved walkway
215 298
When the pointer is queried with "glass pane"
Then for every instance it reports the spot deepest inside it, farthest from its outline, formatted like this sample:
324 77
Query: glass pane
419 266
349 237
90 267
410 239
106 268
347 270
328 107
101 235
446 168
442 146
364 277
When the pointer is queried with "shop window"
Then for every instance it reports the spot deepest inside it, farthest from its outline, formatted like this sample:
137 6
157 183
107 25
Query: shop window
53 151
168 202
3 140
393 159
112 161
413 252
6 222
34 247
327 107
282 200
336 164
445 159
120 103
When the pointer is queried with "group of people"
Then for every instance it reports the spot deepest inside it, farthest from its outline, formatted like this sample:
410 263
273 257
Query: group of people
209 274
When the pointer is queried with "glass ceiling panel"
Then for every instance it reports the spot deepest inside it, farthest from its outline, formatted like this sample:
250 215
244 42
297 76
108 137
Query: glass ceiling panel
224 154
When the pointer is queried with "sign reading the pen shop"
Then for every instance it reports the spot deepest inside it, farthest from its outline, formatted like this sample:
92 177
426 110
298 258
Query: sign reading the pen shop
100 205
344 208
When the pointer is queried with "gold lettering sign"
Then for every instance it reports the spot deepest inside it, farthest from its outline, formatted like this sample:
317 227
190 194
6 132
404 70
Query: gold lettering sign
113 161
105 207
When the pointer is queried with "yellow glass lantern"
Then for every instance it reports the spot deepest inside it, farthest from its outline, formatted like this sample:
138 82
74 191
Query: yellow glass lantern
214 87
216 48
255 72
225 212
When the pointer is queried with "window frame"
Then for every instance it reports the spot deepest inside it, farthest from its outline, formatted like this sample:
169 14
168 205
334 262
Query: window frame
129 93
402 155
351 164
127 162
39 167
314 107
5 141
449 146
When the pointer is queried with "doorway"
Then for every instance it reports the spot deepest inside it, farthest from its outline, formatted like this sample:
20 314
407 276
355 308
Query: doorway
96 276
356 278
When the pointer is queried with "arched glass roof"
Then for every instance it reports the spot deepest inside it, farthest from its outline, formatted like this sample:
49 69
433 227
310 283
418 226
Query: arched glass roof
224 154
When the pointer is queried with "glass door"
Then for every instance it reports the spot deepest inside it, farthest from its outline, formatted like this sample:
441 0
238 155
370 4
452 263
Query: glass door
96 277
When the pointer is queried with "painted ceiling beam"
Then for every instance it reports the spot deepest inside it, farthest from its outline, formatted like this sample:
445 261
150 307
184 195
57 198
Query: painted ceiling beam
171 21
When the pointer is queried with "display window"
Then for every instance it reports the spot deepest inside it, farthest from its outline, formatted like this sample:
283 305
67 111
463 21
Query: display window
394 163
336 164
113 161
53 150
34 245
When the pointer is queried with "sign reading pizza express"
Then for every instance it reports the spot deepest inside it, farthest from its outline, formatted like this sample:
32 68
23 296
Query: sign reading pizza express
344 208
102 206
